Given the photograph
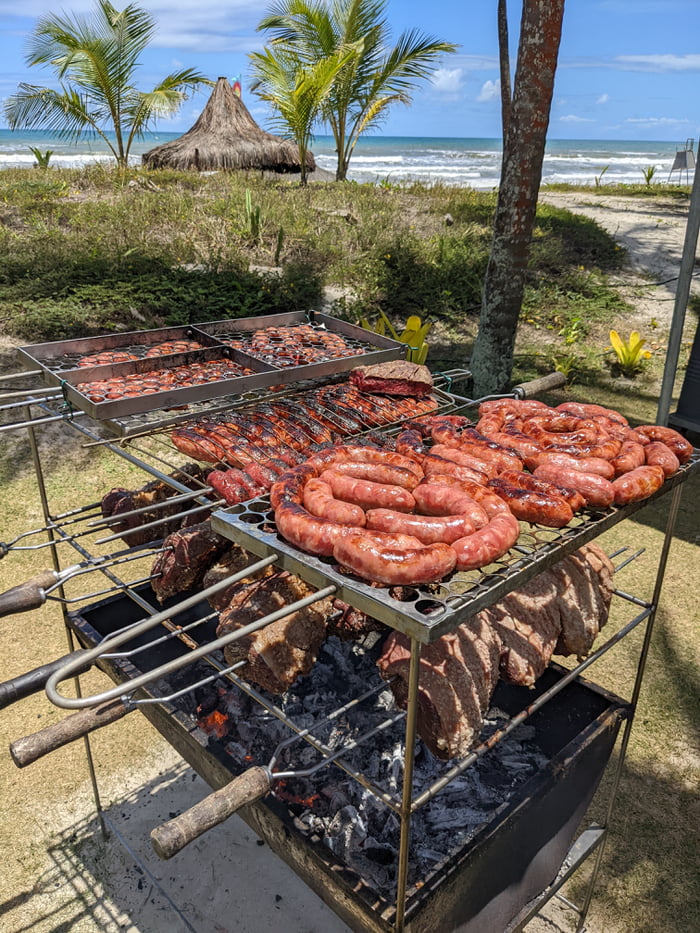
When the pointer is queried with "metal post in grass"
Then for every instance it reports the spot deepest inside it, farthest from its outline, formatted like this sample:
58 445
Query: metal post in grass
682 294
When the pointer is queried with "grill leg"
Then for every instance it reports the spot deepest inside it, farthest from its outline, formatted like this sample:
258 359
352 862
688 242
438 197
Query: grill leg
407 791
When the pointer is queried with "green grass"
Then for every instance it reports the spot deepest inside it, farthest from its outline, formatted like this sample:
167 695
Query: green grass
93 250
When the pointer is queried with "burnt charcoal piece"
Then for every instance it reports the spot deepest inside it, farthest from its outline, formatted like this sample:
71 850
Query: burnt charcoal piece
186 556
284 650
397 377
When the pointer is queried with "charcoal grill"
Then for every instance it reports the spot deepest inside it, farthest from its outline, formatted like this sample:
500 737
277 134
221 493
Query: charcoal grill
576 721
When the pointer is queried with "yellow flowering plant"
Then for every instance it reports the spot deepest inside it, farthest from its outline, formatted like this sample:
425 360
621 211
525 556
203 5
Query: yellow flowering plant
629 353
413 334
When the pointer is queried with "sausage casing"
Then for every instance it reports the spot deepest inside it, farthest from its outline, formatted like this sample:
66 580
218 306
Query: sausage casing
638 484
382 560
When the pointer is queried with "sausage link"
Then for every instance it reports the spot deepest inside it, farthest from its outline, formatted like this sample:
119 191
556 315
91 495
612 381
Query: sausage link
318 499
325 459
439 499
586 410
378 473
682 448
315 535
538 508
493 453
463 458
638 484
596 465
540 485
409 443
367 494
487 544
596 490
630 457
429 529
658 454
382 560
290 485
433 464
488 500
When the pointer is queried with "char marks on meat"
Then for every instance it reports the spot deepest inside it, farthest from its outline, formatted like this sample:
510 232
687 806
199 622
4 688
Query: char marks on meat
229 563
396 377
186 556
585 591
284 650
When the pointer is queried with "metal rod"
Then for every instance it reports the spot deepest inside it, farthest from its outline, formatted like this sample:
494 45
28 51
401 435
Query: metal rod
660 573
407 790
178 663
685 276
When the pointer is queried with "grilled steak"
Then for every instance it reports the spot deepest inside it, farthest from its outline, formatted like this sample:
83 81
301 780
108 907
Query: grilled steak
231 561
284 650
458 674
528 623
350 624
186 556
397 377
585 591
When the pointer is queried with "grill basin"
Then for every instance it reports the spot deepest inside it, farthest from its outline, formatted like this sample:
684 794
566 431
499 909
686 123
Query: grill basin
484 884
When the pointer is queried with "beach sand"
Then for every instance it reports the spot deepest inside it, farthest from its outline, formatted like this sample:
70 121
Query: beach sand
58 874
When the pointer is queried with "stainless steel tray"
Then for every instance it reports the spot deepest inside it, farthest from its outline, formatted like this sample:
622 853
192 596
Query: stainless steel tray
427 612
58 361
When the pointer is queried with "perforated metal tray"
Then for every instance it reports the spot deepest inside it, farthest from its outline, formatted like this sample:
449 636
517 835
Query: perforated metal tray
427 612
59 361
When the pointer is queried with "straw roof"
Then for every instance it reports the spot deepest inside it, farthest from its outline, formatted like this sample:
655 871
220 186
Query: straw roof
226 137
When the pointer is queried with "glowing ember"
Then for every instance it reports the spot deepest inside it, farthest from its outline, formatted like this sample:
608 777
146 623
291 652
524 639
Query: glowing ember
216 723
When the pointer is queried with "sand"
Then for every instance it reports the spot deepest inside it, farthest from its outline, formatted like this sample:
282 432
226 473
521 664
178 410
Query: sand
59 874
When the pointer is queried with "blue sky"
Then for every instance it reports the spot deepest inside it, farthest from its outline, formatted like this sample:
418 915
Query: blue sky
628 69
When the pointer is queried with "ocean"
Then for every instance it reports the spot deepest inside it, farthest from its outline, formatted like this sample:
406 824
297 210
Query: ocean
401 159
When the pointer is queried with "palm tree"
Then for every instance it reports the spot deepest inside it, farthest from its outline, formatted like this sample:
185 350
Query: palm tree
373 79
95 59
296 91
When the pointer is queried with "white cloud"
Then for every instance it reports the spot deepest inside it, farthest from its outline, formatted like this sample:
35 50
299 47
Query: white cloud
603 99
447 80
656 121
660 62
572 118
490 90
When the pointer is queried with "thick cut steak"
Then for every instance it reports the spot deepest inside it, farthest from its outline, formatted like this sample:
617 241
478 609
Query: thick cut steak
396 377
458 674
186 556
284 650
585 591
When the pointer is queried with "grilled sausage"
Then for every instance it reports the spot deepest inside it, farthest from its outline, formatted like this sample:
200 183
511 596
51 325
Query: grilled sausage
487 499
318 499
345 452
368 494
463 458
433 464
487 544
539 508
378 473
596 490
630 457
589 465
381 559
658 454
638 484
540 484
315 535
682 448
429 529
439 499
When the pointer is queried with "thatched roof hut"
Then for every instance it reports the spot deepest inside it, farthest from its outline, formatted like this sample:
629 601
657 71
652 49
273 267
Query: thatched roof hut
226 137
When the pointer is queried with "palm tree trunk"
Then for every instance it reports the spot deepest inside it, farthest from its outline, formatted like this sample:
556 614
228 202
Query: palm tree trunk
504 62
504 282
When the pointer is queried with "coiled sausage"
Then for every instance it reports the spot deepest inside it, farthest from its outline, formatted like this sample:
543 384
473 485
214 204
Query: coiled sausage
538 484
318 499
463 458
367 494
378 473
630 457
326 458
315 535
381 559
433 464
429 529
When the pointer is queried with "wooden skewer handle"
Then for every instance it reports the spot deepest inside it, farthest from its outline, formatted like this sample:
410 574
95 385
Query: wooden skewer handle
26 596
537 386
28 749
171 837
